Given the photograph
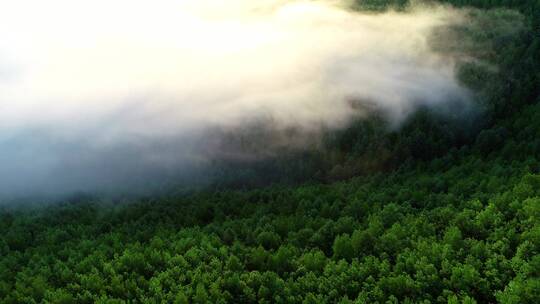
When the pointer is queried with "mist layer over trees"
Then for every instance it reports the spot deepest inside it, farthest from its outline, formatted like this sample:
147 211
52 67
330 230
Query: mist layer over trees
104 106
442 208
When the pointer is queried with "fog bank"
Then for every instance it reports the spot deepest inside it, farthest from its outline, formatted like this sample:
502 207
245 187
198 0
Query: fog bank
105 94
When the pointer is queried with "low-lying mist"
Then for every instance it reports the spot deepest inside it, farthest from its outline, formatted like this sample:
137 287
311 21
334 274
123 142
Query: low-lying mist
104 95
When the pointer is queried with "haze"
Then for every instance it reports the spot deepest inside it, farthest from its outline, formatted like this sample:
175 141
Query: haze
99 94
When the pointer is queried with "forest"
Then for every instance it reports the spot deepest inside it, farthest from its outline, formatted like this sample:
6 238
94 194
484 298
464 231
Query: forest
441 210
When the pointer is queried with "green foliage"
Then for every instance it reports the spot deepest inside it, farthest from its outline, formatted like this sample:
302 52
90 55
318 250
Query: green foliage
457 245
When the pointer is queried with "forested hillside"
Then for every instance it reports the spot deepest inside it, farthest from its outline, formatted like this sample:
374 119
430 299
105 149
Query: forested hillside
441 210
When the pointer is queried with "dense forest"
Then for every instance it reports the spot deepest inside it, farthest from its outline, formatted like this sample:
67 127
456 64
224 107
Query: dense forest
442 210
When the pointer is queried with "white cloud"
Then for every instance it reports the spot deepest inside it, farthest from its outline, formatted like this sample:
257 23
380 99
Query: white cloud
101 72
